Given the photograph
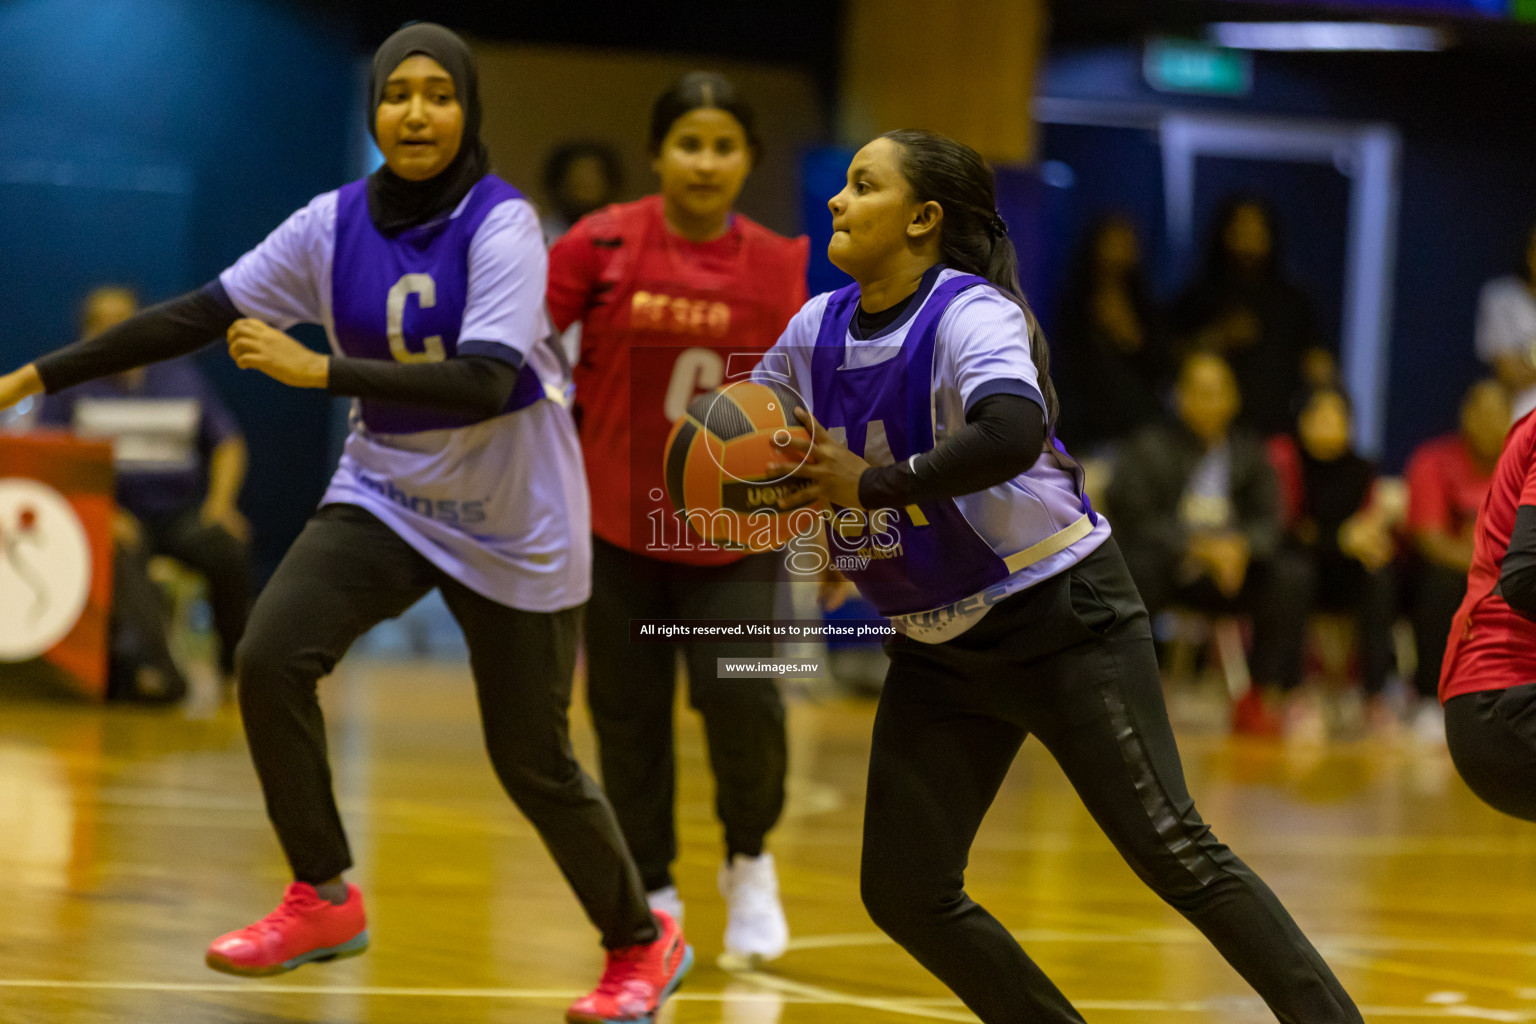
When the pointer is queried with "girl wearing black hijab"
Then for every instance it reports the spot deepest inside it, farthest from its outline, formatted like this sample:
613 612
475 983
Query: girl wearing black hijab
462 472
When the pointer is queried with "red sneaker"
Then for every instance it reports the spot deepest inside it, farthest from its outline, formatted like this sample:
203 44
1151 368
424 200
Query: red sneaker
1250 716
637 979
304 927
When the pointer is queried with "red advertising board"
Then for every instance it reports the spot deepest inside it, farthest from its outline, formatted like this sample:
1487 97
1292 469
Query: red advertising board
56 510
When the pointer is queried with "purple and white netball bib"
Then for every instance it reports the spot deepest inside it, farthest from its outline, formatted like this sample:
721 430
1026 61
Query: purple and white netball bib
402 298
920 557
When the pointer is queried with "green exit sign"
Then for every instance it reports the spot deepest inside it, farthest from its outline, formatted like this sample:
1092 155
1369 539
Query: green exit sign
1178 65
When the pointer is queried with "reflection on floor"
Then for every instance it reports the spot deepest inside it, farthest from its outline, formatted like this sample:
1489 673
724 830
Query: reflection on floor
129 838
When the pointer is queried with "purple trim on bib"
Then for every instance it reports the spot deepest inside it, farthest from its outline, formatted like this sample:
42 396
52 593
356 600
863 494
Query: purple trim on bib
1006 386
1079 477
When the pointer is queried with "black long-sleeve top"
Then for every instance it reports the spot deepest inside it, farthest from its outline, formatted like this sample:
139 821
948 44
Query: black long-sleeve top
473 385
1002 437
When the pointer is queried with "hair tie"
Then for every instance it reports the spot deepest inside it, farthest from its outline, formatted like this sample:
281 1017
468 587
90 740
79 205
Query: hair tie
997 227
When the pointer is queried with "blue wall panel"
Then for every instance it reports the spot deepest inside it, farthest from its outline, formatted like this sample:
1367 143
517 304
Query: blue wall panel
153 142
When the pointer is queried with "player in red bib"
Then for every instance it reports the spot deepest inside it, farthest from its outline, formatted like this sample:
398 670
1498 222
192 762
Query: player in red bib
676 293
1488 678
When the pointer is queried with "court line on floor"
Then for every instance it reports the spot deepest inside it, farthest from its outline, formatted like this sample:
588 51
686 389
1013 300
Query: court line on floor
1372 1012
790 992
1429 973
819 994
257 988
1190 937
1462 1012
472 817
779 990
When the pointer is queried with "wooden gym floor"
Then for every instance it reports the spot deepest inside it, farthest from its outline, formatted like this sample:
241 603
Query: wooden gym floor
130 837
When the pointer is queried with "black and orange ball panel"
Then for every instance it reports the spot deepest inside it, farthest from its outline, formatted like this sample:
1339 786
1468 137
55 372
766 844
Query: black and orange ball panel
716 467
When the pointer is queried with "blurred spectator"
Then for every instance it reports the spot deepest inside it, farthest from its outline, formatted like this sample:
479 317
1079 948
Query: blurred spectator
1196 506
22 416
1506 330
1448 478
1109 357
579 177
1243 307
180 461
1338 538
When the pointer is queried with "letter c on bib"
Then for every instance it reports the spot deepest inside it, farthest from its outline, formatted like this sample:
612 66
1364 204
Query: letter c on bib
425 290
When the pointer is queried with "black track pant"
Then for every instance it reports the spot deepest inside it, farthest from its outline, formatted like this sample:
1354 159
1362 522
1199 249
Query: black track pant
348 571
1071 661
1492 736
630 689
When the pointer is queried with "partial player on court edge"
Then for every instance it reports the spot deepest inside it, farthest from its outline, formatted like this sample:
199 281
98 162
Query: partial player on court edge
1485 677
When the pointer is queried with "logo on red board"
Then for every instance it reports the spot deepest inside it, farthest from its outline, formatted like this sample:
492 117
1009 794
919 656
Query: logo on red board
45 568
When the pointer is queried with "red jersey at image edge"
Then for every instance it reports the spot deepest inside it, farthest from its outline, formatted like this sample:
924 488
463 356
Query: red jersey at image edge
1491 646
663 320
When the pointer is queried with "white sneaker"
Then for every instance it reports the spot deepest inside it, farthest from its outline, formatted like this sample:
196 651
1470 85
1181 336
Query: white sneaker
1305 724
1429 723
667 900
755 929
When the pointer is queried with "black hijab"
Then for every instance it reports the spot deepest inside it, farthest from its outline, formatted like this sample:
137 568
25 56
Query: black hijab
394 203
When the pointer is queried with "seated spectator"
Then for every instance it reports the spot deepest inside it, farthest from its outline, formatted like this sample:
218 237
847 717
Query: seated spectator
1448 478
180 461
1243 307
1506 330
1109 363
579 177
1196 508
1339 540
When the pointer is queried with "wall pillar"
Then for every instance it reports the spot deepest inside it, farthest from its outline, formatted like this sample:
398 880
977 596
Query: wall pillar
964 70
